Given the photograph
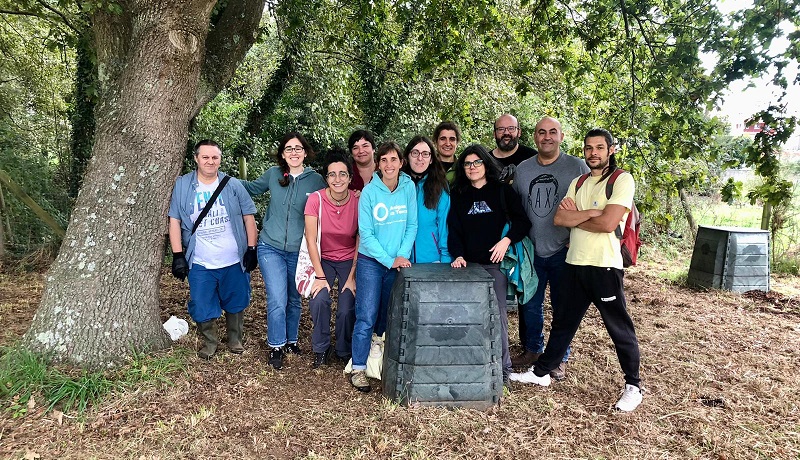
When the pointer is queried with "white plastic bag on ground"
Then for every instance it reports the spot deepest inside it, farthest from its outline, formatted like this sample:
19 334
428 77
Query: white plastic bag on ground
176 327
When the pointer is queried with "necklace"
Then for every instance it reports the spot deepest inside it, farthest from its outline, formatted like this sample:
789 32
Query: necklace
339 203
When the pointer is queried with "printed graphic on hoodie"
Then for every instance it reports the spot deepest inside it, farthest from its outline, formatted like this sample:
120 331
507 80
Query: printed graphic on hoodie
387 215
479 207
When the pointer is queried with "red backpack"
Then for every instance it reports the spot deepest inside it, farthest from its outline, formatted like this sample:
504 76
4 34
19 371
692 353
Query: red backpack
629 239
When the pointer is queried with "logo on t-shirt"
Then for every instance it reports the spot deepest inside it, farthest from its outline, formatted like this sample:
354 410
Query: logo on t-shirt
543 195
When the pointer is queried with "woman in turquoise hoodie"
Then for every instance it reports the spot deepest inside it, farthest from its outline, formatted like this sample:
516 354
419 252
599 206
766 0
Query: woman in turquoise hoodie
289 185
387 226
433 201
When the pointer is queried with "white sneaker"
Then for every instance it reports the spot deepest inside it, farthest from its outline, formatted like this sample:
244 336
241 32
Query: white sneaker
530 377
630 400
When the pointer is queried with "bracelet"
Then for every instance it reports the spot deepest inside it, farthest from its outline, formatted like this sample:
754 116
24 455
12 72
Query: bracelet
322 278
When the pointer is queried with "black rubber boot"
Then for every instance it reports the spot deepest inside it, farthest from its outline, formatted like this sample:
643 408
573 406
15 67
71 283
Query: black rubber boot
208 332
235 323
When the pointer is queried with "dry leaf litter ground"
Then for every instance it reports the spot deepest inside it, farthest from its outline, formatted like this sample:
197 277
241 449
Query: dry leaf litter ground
721 373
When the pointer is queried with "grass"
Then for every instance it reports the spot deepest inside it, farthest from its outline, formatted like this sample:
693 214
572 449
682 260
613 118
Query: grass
724 215
26 378
784 246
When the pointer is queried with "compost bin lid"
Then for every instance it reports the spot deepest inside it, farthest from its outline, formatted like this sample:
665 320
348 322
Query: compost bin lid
445 273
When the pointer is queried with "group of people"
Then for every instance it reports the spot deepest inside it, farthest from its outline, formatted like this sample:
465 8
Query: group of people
376 209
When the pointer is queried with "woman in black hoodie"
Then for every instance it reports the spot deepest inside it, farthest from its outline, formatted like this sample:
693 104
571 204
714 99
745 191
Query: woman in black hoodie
480 208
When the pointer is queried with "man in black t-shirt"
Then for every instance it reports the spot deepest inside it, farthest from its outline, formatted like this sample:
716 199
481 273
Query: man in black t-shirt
506 134
510 152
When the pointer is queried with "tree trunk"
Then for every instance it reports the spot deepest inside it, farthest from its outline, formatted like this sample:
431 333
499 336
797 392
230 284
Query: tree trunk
2 226
101 297
766 215
687 209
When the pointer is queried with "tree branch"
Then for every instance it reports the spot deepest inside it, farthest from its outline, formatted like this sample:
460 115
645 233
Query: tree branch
21 13
63 17
228 41
633 61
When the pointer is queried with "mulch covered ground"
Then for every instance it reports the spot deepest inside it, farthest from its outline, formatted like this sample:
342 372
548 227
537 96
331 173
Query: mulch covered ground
721 373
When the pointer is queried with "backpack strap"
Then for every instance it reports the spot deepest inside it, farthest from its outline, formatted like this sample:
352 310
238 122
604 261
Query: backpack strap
609 185
611 179
609 190
580 182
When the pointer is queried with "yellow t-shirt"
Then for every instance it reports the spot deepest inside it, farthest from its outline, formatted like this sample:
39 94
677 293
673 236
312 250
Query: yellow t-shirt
598 249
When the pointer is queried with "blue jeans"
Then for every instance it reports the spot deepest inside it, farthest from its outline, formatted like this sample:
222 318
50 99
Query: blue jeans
283 300
373 289
547 269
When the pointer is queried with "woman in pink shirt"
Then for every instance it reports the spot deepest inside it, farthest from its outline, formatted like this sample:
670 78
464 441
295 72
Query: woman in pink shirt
339 248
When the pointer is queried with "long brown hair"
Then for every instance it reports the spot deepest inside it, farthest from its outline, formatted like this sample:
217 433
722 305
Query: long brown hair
436 182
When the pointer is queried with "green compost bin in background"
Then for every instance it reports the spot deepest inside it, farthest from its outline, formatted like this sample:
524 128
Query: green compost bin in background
730 258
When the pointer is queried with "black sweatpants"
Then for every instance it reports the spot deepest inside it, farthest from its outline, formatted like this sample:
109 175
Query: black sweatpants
582 286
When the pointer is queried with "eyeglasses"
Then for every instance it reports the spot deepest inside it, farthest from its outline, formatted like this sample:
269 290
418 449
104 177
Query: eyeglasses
416 153
342 175
473 164
296 149
509 129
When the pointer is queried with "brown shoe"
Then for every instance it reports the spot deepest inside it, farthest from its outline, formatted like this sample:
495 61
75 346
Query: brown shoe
559 373
359 380
524 359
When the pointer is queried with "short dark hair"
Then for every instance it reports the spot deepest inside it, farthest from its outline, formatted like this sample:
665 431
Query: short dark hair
446 125
337 155
357 136
203 142
387 147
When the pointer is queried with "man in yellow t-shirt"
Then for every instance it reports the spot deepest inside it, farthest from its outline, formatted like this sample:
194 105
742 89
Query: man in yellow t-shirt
594 273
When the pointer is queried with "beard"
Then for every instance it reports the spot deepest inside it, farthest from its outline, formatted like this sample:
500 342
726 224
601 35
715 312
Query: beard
507 143
601 166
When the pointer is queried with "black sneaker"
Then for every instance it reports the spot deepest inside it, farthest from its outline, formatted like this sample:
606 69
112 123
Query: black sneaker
292 348
276 358
321 358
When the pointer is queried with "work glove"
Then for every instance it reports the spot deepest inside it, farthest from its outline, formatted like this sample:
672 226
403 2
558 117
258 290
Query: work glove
180 268
250 259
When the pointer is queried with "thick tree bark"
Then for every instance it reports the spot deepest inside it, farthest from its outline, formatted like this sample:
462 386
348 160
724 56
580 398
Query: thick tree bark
101 297
233 31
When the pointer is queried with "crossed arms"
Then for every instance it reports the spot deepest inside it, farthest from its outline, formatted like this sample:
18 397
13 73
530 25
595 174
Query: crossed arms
592 220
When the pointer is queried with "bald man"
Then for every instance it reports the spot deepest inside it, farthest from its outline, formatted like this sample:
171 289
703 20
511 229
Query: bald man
506 135
541 183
